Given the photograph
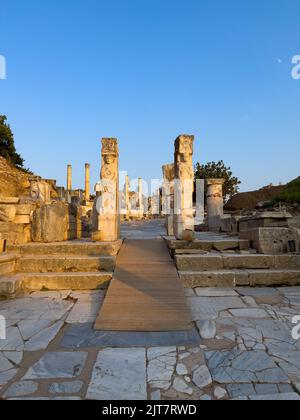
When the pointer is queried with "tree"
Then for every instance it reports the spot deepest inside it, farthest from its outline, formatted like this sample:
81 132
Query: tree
7 144
219 170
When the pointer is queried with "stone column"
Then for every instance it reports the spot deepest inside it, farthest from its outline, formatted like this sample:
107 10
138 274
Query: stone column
106 214
183 188
87 182
168 197
215 203
127 197
69 178
140 197
200 200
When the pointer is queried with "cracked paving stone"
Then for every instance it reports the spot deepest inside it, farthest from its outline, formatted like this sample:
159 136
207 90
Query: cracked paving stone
5 364
28 328
265 389
204 308
7 376
240 390
161 366
276 397
66 387
22 388
14 357
181 386
13 341
119 374
41 340
244 367
58 365
202 377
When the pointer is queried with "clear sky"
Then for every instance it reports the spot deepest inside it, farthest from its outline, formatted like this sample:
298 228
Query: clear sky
145 71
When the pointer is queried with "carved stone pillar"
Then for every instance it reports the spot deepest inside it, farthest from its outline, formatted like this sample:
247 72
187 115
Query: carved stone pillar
127 197
140 197
87 182
39 189
215 203
106 217
184 187
168 197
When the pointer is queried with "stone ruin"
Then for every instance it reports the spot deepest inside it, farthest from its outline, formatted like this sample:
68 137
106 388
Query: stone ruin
50 213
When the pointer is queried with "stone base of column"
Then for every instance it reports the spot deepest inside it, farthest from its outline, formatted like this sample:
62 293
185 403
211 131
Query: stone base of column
214 223
108 229
170 225
183 223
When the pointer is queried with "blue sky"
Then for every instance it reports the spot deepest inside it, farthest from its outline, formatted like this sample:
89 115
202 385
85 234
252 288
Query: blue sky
145 71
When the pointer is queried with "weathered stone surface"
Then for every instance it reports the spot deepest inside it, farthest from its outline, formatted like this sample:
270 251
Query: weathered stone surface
161 366
80 248
68 264
268 240
249 313
5 364
50 223
240 390
208 308
41 340
84 313
15 233
274 277
248 261
198 262
66 387
19 389
84 336
215 292
7 212
181 369
220 393
119 374
242 367
106 220
6 376
13 340
57 365
22 219
276 397
202 377
196 279
181 386
66 281
183 188
207 329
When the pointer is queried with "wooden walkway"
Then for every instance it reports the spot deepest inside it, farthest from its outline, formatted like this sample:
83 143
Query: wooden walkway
146 293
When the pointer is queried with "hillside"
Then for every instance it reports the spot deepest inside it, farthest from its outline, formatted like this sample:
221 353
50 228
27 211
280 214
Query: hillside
13 182
250 200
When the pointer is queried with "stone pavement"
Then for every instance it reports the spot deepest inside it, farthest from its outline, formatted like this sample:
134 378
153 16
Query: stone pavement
241 348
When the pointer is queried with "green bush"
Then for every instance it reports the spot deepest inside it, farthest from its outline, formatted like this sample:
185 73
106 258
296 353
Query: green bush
291 193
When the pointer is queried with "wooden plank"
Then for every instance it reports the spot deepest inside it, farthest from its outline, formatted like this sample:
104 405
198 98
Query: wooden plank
146 293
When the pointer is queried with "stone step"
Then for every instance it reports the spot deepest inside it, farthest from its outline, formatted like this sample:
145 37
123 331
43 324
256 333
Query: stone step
11 284
83 248
234 278
7 263
66 264
222 244
214 262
